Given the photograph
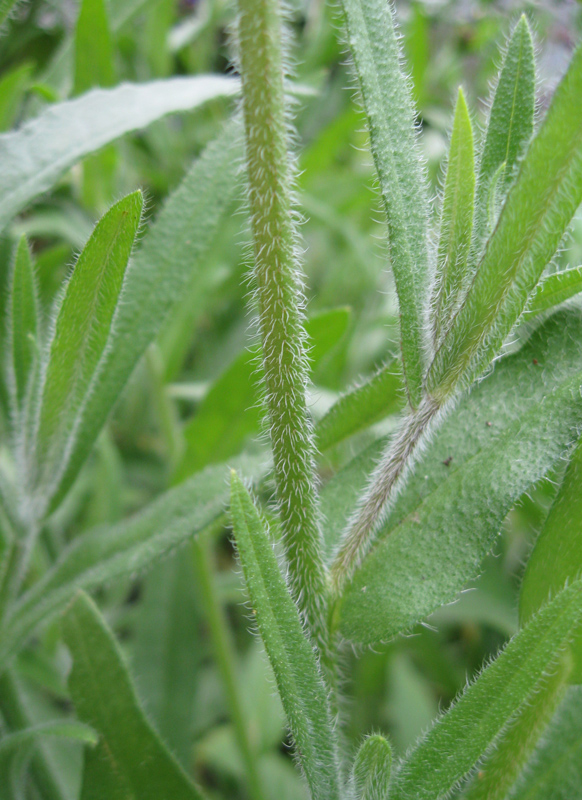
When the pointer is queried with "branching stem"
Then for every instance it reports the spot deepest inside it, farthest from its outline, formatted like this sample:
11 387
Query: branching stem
384 483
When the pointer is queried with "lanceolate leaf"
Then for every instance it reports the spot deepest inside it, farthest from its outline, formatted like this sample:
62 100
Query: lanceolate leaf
109 551
499 771
292 657
130 759
93 48
554 290
36 155
506 435
556 559
61 728
171 257
82 329
509 128
24 320
539 206
451 748
362 406
555 771
390 113
456 220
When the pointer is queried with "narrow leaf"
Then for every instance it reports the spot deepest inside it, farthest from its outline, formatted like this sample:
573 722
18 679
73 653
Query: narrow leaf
170 261
12 88
372 769
24 320
510 126
34 157
556 559
390 112
362 406
110 551
451 748
93 48
554 290
539 206
499 772
291 654
456 220
82 328
503 437
130 759
555 771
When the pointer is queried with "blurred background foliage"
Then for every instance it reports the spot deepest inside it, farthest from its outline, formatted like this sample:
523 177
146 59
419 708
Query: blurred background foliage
193 401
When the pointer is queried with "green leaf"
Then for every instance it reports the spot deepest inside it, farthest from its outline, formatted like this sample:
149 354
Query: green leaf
34 157
503 437
557 555
6 7
456 220
12 88
539 206
170 260
498 773
291 654
168 649
93 48
510 126
60 728
24 321
232 409
110 551
82 329
555 771
555 289
372 769
451 748
390 113
130 759
362 406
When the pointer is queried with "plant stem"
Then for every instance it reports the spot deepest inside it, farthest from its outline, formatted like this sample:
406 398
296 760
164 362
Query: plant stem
225 655
391 470
280 299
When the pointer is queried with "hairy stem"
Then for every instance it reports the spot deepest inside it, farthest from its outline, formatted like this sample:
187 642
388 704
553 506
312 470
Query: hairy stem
224 654
392 468
280 299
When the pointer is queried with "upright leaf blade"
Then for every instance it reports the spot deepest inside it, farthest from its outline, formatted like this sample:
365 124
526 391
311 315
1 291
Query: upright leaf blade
556 558
34 157
82 329
510 126
456 220
390 112
93 48
291 654
169 261
539 206
24 320
451 748
130 759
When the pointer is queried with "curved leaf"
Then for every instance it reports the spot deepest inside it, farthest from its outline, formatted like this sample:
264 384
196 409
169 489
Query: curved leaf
33 157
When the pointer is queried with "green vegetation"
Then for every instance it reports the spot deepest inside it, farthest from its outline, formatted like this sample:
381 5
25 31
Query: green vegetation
285 514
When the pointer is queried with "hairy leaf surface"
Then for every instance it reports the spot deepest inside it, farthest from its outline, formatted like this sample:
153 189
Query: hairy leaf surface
291 654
